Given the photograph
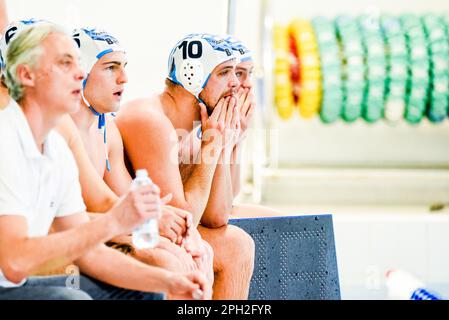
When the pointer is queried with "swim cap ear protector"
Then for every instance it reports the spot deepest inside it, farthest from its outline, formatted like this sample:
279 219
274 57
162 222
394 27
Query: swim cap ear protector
191 75
193 59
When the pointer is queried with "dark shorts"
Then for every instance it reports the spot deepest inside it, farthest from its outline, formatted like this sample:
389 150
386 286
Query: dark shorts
72 288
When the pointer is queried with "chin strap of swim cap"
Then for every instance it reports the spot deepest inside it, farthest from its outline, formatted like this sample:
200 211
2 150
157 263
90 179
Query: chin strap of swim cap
101 124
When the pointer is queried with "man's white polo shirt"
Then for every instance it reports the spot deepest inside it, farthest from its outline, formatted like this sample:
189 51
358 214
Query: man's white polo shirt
37 186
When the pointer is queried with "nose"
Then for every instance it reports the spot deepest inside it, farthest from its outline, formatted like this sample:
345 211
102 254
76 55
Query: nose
79 73
123 77
247 84
234 82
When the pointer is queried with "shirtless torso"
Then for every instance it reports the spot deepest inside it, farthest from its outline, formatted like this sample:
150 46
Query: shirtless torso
158 135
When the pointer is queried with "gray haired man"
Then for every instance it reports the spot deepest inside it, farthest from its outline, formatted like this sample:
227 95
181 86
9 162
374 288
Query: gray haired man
39 186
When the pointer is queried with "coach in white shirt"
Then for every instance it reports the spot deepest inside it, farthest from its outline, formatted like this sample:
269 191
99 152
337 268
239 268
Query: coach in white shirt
39 185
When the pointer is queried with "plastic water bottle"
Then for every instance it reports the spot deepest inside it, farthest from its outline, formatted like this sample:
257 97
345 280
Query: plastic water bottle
146 235
404 286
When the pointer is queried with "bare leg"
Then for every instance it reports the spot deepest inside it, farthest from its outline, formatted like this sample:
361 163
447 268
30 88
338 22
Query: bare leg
204 257
166 255
233 261
174 258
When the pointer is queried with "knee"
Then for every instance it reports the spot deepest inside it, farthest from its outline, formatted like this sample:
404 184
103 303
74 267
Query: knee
240 245
209 252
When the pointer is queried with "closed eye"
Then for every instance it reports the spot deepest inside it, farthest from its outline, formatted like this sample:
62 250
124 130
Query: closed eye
66 64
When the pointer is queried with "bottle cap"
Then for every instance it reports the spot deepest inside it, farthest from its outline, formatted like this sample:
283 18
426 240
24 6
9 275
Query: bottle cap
141 173
197 294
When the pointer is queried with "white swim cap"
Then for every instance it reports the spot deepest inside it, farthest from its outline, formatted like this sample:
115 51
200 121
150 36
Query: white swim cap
193 59
10 32
94 44
241 51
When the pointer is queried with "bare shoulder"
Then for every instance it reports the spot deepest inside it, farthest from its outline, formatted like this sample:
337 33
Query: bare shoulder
67 129
143 115
113 133
147 133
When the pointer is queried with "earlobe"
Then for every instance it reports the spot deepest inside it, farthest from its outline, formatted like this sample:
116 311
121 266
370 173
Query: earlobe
25 75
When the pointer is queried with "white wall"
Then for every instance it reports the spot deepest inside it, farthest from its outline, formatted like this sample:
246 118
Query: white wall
147 29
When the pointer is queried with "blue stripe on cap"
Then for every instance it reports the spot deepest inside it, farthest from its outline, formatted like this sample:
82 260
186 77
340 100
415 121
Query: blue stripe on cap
102 53
172 74
205 82
246 59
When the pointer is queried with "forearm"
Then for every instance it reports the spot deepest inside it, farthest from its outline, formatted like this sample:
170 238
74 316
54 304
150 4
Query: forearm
219 204
112 267
198 186
97 196
235 169
55 250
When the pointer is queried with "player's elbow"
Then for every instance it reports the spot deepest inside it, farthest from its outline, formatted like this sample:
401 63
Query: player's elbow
12 268
108 203
216 219
100 205
215 223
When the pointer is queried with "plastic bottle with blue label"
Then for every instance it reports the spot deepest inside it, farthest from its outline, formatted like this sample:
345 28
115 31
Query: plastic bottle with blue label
146 235
404 286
